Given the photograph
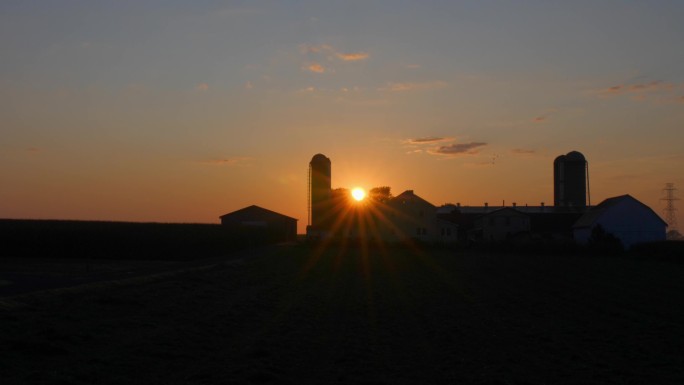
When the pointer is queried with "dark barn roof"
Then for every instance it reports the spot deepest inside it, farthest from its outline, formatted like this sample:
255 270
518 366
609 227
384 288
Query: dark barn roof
254 212
591 216
408 195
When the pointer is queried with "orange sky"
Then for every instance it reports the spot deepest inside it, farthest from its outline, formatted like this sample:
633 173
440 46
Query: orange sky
195 110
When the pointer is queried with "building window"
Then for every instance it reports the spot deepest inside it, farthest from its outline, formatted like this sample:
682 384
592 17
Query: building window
424 231
491 221
508 221
418 231
420 213
448 231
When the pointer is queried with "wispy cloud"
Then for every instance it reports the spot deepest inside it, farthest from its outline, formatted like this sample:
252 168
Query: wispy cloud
33 150
354 56
402 87
324 52
539 119
329 50
233 161
249 85
202 87
656 91
430 145
656 85
427 140
315 67
458 148
413 66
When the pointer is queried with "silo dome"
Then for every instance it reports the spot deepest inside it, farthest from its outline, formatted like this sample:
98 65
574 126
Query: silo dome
320 158
575 156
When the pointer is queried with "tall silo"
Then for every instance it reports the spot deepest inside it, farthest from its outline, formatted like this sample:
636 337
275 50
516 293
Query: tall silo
319 191
570 180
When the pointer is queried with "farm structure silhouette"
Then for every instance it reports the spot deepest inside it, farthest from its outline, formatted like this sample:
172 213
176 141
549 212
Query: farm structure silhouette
407 216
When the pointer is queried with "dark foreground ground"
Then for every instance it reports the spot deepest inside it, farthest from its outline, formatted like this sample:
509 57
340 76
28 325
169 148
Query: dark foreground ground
294 315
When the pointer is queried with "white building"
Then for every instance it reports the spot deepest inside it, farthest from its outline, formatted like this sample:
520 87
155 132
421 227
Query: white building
409 216
626 218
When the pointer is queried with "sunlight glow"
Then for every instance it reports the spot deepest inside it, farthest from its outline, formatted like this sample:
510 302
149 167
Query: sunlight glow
358 194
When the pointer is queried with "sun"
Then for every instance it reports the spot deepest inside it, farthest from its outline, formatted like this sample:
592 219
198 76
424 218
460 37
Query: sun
358 194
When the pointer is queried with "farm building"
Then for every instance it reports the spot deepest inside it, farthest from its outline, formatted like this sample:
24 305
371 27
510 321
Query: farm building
626 218
544 222
413 216
501 224
274 225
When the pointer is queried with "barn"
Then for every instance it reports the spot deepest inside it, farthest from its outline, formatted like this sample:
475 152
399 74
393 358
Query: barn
626 218
270 224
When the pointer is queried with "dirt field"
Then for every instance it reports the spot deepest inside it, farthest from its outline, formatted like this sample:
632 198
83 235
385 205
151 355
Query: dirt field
298 315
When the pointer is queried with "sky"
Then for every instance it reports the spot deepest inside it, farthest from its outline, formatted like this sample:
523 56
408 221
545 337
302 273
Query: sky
178 111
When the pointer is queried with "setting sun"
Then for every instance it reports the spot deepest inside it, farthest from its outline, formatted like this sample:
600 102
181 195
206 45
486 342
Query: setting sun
358 193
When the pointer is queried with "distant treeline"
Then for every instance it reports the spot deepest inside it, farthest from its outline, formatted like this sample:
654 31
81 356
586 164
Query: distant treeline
124 240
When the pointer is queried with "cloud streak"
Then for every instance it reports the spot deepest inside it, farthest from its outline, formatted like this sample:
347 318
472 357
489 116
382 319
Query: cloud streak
458 148
430 145
325 52
427 140
657 91
328 49
622 89
354 56
315 67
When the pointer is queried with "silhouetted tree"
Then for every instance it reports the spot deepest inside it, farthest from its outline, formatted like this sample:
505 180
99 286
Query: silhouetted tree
340 195
603 242
380 194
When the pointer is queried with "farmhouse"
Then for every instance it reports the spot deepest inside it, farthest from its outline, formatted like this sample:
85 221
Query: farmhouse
626 218
408 216
276 226
412 216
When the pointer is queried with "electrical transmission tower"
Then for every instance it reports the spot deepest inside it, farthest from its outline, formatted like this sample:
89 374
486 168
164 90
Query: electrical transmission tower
670 211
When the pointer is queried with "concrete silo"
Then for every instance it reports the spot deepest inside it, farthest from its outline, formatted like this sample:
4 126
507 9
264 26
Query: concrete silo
319 192
570 180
